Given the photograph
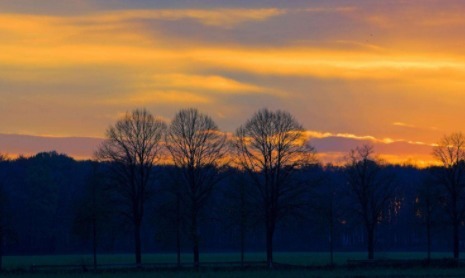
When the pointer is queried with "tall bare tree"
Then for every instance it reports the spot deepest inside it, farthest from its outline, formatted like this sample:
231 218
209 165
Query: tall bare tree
93 210
238 211
327 205
427 202
373 188
450 152
133 147
271 147
198 150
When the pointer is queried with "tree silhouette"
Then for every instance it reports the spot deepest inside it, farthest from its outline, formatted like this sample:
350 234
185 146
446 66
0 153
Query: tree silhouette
238 210
450 152
132 148
327 203
426 206
93 210
170 212
198 150
373 189
271 147
45 181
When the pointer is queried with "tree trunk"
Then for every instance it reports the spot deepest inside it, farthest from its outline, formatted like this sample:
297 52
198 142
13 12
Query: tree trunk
243 222
331 231
195 238
94 241
196 254
371 243
137 243
1 249
331 241
94 223
178 230
428 239
456 239
269 247
242 244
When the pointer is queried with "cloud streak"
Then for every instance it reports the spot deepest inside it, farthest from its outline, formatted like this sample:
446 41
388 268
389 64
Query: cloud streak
369 138
331 147
223 18
110 38
211 83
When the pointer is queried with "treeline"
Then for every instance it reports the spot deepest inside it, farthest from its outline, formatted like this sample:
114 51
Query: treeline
188 187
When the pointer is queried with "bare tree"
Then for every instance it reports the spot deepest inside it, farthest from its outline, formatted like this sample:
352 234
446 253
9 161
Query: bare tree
171 211
327 204
237 209
427 201
198 150
133 147
271 147
373 188
93 210
450 152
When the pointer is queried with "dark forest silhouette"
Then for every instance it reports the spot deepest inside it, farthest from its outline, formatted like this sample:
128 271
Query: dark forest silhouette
262 189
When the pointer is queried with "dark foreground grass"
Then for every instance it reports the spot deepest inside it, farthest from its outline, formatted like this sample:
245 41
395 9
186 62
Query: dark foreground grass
339 272
296 258
18 266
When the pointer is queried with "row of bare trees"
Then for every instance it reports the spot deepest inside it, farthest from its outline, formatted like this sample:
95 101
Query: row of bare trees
375 189
270 147
450 152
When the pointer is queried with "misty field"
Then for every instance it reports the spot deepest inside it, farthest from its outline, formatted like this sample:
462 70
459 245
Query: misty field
16 266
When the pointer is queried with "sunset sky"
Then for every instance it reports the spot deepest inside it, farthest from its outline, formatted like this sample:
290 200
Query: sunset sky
387 72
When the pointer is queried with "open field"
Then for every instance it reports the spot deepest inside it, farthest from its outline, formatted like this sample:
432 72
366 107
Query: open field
339 272
267 274
297 258
18 266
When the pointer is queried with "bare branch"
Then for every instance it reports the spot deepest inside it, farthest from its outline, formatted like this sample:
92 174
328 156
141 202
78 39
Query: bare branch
133 147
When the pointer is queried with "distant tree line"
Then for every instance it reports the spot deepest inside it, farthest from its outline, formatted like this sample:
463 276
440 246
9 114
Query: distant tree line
157 187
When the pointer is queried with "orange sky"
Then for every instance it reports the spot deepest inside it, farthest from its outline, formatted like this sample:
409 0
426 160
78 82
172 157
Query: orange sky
390 73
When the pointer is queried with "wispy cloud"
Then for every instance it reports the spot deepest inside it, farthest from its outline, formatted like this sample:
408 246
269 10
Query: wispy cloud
109 28
401 124
214 83
225 18
385 140
333 148
411 126
107 38
179 88
335 9
170 97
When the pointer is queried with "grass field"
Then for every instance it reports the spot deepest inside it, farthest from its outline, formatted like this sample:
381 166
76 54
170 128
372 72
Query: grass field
259 274
13 263
298 258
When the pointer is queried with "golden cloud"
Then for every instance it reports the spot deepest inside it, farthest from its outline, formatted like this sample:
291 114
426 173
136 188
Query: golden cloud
225 18
109 38
386 140
214 83
44 41
159 97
